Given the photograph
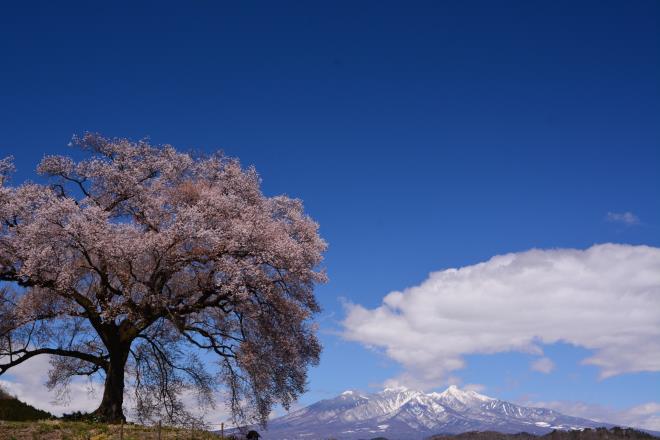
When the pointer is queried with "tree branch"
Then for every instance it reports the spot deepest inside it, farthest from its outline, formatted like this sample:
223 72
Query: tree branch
96 360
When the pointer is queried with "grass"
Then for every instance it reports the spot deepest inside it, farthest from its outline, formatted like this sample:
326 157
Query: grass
60 430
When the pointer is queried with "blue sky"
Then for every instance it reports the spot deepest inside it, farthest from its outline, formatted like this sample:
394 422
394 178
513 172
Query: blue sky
421 135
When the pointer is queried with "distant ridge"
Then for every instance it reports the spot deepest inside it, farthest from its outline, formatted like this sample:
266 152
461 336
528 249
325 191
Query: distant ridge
403 414
12 409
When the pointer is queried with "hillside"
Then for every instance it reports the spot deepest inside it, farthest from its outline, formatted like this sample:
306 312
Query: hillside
14 410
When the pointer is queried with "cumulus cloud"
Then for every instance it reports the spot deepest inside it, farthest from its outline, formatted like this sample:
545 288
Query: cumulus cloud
543 365
605 298
476 387
27 382
627 218
646 415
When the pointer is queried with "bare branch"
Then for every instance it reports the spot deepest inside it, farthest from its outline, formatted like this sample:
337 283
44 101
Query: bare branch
24 355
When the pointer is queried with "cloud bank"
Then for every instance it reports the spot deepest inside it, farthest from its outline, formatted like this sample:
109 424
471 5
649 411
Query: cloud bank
27 383
605 299
646 415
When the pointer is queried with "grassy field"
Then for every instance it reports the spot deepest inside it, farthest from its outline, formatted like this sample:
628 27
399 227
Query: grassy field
59 430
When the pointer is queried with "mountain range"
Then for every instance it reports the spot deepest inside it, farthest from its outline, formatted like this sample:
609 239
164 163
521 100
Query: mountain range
403 414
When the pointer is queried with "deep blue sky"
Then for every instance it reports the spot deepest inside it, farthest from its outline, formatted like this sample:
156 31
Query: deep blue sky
421 135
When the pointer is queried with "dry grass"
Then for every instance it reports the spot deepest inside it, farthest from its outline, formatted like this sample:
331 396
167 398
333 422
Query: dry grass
59 430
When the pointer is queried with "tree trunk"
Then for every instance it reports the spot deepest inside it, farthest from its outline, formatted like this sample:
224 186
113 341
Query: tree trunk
110 409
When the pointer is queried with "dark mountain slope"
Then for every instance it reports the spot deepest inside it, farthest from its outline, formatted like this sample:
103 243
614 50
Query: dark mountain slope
13 409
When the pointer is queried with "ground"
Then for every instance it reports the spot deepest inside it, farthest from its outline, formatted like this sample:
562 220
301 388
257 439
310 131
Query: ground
58 430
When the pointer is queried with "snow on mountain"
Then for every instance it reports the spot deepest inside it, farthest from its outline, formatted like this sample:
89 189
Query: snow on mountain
402 414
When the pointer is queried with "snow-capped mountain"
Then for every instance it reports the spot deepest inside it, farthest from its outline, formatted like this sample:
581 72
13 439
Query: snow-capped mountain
402 414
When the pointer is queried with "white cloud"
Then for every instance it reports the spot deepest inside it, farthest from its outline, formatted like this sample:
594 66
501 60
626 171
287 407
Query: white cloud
27 382
543 365
646 416
476 387
605 298
627 218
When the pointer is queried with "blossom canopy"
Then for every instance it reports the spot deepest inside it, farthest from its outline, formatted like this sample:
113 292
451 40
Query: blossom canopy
138 261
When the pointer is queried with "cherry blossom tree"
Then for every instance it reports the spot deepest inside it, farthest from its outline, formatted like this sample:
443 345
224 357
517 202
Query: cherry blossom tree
162 272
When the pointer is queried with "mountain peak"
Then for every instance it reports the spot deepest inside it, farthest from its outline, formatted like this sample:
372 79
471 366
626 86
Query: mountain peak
454 394
400 413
